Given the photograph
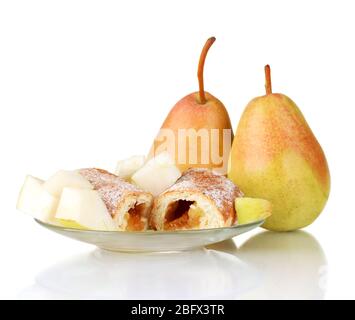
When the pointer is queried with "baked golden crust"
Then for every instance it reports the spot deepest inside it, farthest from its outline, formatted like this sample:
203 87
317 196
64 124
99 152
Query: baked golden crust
216 187
127 204
213 193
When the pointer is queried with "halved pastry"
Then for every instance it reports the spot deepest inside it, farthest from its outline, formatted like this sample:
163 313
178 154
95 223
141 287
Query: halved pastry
128 205
199 199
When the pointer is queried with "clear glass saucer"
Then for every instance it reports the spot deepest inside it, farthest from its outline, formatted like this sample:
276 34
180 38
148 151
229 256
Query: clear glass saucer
152 241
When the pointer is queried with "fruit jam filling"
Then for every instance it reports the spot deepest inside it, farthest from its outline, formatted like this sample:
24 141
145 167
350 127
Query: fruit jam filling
180 215
134 221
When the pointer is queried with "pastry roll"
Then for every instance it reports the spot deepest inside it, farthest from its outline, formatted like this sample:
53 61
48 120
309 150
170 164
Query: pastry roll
199 199
128 205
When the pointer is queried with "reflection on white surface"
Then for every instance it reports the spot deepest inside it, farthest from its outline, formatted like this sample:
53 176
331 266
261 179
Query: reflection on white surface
269 265
101 274
292 265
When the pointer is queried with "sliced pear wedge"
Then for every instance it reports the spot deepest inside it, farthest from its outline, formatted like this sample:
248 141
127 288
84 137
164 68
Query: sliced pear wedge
65 178
252 209
83 208
70 224
127 167
36 201
157 174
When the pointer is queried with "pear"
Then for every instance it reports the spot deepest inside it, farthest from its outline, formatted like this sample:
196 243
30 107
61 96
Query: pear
65 178
251 209
127 167
157 174
83 209
197 132
35 200
275 156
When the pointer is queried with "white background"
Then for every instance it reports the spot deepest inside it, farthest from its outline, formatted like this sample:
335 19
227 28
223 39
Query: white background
85 83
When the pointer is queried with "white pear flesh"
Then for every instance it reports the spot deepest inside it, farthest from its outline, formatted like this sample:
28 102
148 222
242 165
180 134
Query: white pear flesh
127 167
84 207
36 201
65 178
157 174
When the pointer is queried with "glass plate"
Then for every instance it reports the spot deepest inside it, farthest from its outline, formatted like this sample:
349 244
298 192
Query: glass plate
152 241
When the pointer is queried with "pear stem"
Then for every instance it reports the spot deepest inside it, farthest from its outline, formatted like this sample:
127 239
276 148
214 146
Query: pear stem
268 87
201 65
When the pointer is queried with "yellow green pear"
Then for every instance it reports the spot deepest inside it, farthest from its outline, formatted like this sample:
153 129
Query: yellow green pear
275 156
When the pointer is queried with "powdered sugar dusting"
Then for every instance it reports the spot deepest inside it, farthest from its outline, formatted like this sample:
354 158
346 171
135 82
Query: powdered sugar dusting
218 188
112 189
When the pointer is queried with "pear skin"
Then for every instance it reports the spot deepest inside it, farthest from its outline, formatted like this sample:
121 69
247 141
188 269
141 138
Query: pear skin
275 156
252 209
197 131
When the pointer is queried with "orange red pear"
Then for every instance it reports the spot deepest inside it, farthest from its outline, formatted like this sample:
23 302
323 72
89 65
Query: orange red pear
197 132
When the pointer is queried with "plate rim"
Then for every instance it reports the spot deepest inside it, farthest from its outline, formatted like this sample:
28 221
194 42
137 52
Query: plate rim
149 232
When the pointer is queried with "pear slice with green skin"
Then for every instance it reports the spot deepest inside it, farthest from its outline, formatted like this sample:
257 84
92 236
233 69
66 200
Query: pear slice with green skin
252 209
70 224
